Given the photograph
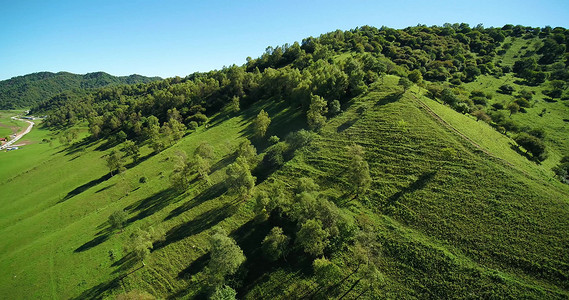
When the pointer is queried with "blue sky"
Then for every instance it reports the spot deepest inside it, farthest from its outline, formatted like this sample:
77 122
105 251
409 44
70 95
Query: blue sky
169 38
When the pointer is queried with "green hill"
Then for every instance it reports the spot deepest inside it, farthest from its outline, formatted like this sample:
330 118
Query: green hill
28 90
365 181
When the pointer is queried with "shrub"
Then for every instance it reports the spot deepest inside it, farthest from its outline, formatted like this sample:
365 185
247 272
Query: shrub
533 145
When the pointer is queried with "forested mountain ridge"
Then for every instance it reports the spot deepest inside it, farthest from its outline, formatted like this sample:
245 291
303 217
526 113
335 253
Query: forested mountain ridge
28 90
425 162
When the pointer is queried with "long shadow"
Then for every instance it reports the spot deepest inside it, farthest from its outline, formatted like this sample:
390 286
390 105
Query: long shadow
249 238
417 185
80 189
92 243
139 160
99 291
195 226
152 204
79 146
212 192
126 263
195 267
105 188
224 162
393 97
346 125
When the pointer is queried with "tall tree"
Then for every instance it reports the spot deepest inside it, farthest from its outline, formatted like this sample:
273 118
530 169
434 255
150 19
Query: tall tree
239 179
115 162
315 115
275 244
358 170
261 123
312 238
117 219
226 257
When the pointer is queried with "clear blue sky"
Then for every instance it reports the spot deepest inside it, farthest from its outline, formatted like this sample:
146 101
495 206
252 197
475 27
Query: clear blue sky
169 38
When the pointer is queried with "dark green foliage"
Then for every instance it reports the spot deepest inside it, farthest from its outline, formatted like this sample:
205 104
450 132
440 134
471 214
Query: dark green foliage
449 97
118 219
562 170
506 89
533 145
115 162
261 123
239 178
28 90
275 244
312 238
226 257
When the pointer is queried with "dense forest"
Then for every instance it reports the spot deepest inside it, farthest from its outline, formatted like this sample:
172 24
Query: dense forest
28 90
321 74
344 232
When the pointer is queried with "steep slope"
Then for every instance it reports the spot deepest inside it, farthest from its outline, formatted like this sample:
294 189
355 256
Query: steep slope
28 90
441 225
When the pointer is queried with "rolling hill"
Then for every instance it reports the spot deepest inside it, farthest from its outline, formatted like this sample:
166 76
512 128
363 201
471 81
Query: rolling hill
370 163
29 90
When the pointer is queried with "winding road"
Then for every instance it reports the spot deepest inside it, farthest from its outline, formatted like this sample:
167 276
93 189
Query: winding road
19 135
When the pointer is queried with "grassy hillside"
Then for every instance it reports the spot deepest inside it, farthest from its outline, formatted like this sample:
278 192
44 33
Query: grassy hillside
369 163
29 90
444 227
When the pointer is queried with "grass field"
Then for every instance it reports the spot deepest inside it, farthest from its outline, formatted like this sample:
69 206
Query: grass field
473 225
9 126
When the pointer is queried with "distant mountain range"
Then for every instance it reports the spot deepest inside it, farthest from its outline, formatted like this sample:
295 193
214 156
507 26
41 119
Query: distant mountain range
25 91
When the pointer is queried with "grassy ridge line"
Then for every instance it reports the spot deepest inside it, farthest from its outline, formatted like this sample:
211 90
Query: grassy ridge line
394 165
506 155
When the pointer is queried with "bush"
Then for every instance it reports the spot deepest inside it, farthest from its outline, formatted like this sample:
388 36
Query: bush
479 100
506 89
533 145
498 105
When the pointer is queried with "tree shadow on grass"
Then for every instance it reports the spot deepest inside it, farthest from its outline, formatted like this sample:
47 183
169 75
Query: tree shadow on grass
418 184
202 222
92 243
393 97
224 162
195 267
346 125
126 263
79 146
80 189
152 204
99 291
139 160
212 192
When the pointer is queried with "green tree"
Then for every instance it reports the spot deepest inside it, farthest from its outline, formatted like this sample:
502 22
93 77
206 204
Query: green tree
261 123
182 172
534 145
358 170
415 76
235 104
203 168
239 179
140 243
131 149
316 112
115 162
224 292
118 219
312 238
513 107
205 150
326 272
405 83
226 257
275 244
247 151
